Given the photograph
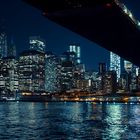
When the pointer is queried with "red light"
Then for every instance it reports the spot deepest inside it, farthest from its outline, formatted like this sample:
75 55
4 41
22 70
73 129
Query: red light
45 13
108 5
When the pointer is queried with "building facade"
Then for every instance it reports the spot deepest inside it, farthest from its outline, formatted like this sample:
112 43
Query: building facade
3 44
11 51
9 75
102 71
31 72
68 63
115 64
102 68
110 83
52 73
77 50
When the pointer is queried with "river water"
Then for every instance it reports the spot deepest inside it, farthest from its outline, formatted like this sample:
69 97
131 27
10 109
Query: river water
69 121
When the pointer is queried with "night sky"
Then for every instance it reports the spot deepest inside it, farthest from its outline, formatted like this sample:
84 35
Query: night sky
22 21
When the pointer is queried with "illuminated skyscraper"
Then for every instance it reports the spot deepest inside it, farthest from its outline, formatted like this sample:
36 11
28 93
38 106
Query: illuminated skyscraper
133 72
110 85
125 81
31 70
3 40
102 71
115 64
37 43
102 68
133 85
8 75
11 51
67 70
77 50
52 73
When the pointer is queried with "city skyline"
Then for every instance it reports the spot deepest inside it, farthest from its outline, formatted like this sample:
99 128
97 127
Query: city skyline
36 71
76 64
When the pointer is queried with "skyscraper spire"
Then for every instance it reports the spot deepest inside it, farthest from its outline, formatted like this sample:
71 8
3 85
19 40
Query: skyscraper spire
12 48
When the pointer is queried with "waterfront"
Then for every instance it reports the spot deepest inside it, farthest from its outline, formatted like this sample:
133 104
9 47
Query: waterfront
69 120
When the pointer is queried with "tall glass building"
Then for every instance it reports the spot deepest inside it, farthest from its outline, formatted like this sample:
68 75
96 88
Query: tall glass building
3 41
77 50
52 73
115 64
67 70
11 50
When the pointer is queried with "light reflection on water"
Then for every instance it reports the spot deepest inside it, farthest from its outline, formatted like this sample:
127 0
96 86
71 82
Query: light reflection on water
40 121
114 125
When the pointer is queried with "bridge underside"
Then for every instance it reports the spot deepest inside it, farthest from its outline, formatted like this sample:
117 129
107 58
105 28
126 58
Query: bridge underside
101 22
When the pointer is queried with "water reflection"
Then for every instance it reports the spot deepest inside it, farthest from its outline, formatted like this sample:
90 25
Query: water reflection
69 121
115 127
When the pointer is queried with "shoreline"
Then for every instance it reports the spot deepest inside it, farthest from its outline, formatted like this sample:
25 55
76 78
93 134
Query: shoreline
51 101
114 98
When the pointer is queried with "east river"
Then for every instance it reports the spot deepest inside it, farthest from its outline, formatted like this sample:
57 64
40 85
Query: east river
69 121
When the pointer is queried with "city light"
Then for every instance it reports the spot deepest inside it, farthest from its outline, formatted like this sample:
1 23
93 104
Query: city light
138 23
128 13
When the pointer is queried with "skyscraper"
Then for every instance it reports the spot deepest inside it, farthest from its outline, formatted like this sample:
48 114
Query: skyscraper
37 43
31 72
102 68
3 40
8 75
11 51
115 64
77 50
52 73
133 85
133 71
110 85
67 70
125 81
102 71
